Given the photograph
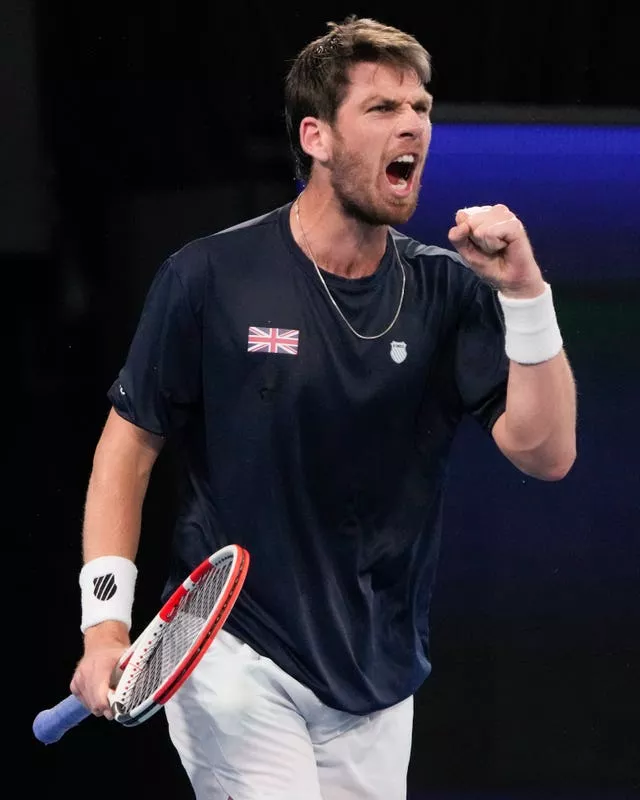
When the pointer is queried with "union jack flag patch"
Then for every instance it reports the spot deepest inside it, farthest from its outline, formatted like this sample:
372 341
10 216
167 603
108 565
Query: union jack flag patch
273 340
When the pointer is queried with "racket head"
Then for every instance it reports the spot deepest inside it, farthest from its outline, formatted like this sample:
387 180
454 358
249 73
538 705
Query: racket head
167 651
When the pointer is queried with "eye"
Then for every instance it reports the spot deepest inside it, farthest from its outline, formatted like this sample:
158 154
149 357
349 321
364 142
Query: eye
382 107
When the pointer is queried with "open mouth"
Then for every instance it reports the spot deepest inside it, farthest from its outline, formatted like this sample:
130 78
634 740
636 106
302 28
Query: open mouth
400 172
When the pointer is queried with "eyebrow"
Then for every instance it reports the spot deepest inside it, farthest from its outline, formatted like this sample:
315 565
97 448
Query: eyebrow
425 99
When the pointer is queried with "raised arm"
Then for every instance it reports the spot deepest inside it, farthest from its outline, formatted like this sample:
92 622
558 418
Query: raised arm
537 431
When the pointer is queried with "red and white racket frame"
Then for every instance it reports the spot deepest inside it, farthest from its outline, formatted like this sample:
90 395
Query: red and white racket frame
138 653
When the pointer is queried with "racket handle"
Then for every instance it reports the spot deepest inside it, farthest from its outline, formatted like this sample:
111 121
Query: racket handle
52 723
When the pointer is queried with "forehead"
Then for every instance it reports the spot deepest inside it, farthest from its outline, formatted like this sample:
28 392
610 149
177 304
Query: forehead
368 79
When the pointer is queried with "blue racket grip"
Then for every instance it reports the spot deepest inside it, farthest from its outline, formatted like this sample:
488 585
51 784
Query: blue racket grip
52 723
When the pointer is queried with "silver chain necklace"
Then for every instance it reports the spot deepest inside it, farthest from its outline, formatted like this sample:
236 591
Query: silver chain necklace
330 296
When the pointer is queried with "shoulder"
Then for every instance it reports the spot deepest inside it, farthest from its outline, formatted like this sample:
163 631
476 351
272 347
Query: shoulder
439 266
195 263
428 256
243 234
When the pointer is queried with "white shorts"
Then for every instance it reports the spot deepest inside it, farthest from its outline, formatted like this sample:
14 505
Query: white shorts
244 729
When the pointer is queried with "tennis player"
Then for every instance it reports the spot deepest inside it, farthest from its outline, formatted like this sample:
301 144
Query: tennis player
314 365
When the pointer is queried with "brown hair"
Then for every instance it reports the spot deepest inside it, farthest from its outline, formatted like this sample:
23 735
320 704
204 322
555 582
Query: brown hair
318 80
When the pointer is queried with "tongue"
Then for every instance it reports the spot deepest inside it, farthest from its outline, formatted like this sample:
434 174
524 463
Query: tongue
396 180
393 176
396 174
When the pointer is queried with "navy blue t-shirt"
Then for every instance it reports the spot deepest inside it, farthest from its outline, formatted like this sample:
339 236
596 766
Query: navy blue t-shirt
322 453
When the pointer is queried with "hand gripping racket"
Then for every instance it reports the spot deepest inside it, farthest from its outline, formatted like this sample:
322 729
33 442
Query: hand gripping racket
160 660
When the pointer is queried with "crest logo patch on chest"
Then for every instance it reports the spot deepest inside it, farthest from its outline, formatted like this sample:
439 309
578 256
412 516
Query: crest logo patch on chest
398 351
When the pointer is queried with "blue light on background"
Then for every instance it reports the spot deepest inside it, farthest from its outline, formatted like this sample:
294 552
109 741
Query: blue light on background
577 190
575 187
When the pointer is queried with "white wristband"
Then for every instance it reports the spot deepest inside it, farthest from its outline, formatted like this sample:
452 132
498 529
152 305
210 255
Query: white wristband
107 584
532 334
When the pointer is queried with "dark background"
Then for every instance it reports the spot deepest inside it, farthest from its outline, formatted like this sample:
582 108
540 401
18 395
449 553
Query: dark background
129 129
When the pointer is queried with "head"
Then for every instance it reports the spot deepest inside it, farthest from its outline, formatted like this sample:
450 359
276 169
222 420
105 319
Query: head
357 112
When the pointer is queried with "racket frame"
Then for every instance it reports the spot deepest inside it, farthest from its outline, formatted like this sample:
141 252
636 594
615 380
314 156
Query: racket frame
140 651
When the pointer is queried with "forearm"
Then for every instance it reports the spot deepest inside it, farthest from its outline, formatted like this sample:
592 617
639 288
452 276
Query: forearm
113 513
122 465
538 429
113 510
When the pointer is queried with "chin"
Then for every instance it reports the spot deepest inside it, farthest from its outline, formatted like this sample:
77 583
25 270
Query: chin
376 211
402 212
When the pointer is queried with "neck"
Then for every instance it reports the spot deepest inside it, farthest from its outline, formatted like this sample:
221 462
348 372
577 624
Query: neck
334 241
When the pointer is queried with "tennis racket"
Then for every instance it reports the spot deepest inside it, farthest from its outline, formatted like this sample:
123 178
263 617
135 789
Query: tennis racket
160 660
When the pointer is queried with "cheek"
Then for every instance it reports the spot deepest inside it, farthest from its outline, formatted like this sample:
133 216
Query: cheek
368 142
358 159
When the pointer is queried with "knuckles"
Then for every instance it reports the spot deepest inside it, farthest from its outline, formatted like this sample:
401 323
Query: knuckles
476 216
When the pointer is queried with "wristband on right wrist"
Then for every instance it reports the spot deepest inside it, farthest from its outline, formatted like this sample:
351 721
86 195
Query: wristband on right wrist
532 334
107 586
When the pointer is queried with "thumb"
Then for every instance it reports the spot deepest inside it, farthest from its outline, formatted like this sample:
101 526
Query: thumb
459 233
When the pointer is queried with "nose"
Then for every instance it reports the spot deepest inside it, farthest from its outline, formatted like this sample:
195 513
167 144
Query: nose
413 124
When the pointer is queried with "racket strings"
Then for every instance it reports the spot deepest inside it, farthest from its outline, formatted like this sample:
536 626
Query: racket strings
177 637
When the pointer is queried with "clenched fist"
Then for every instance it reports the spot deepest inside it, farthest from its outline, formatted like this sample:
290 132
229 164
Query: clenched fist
494 243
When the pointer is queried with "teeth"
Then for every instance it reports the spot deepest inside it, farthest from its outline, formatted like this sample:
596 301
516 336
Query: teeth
408 159
402 184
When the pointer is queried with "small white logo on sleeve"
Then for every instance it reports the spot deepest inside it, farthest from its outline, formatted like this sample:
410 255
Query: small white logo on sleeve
398 351
122 391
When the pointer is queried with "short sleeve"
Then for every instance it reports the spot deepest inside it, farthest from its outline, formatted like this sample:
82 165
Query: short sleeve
160 381
482 366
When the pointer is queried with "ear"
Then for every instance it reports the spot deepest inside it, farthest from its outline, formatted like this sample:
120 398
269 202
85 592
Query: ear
315 139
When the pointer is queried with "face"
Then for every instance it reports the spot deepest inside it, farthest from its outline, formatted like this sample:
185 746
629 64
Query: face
379 143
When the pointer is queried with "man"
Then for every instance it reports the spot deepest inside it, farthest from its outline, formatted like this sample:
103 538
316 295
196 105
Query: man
314 365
